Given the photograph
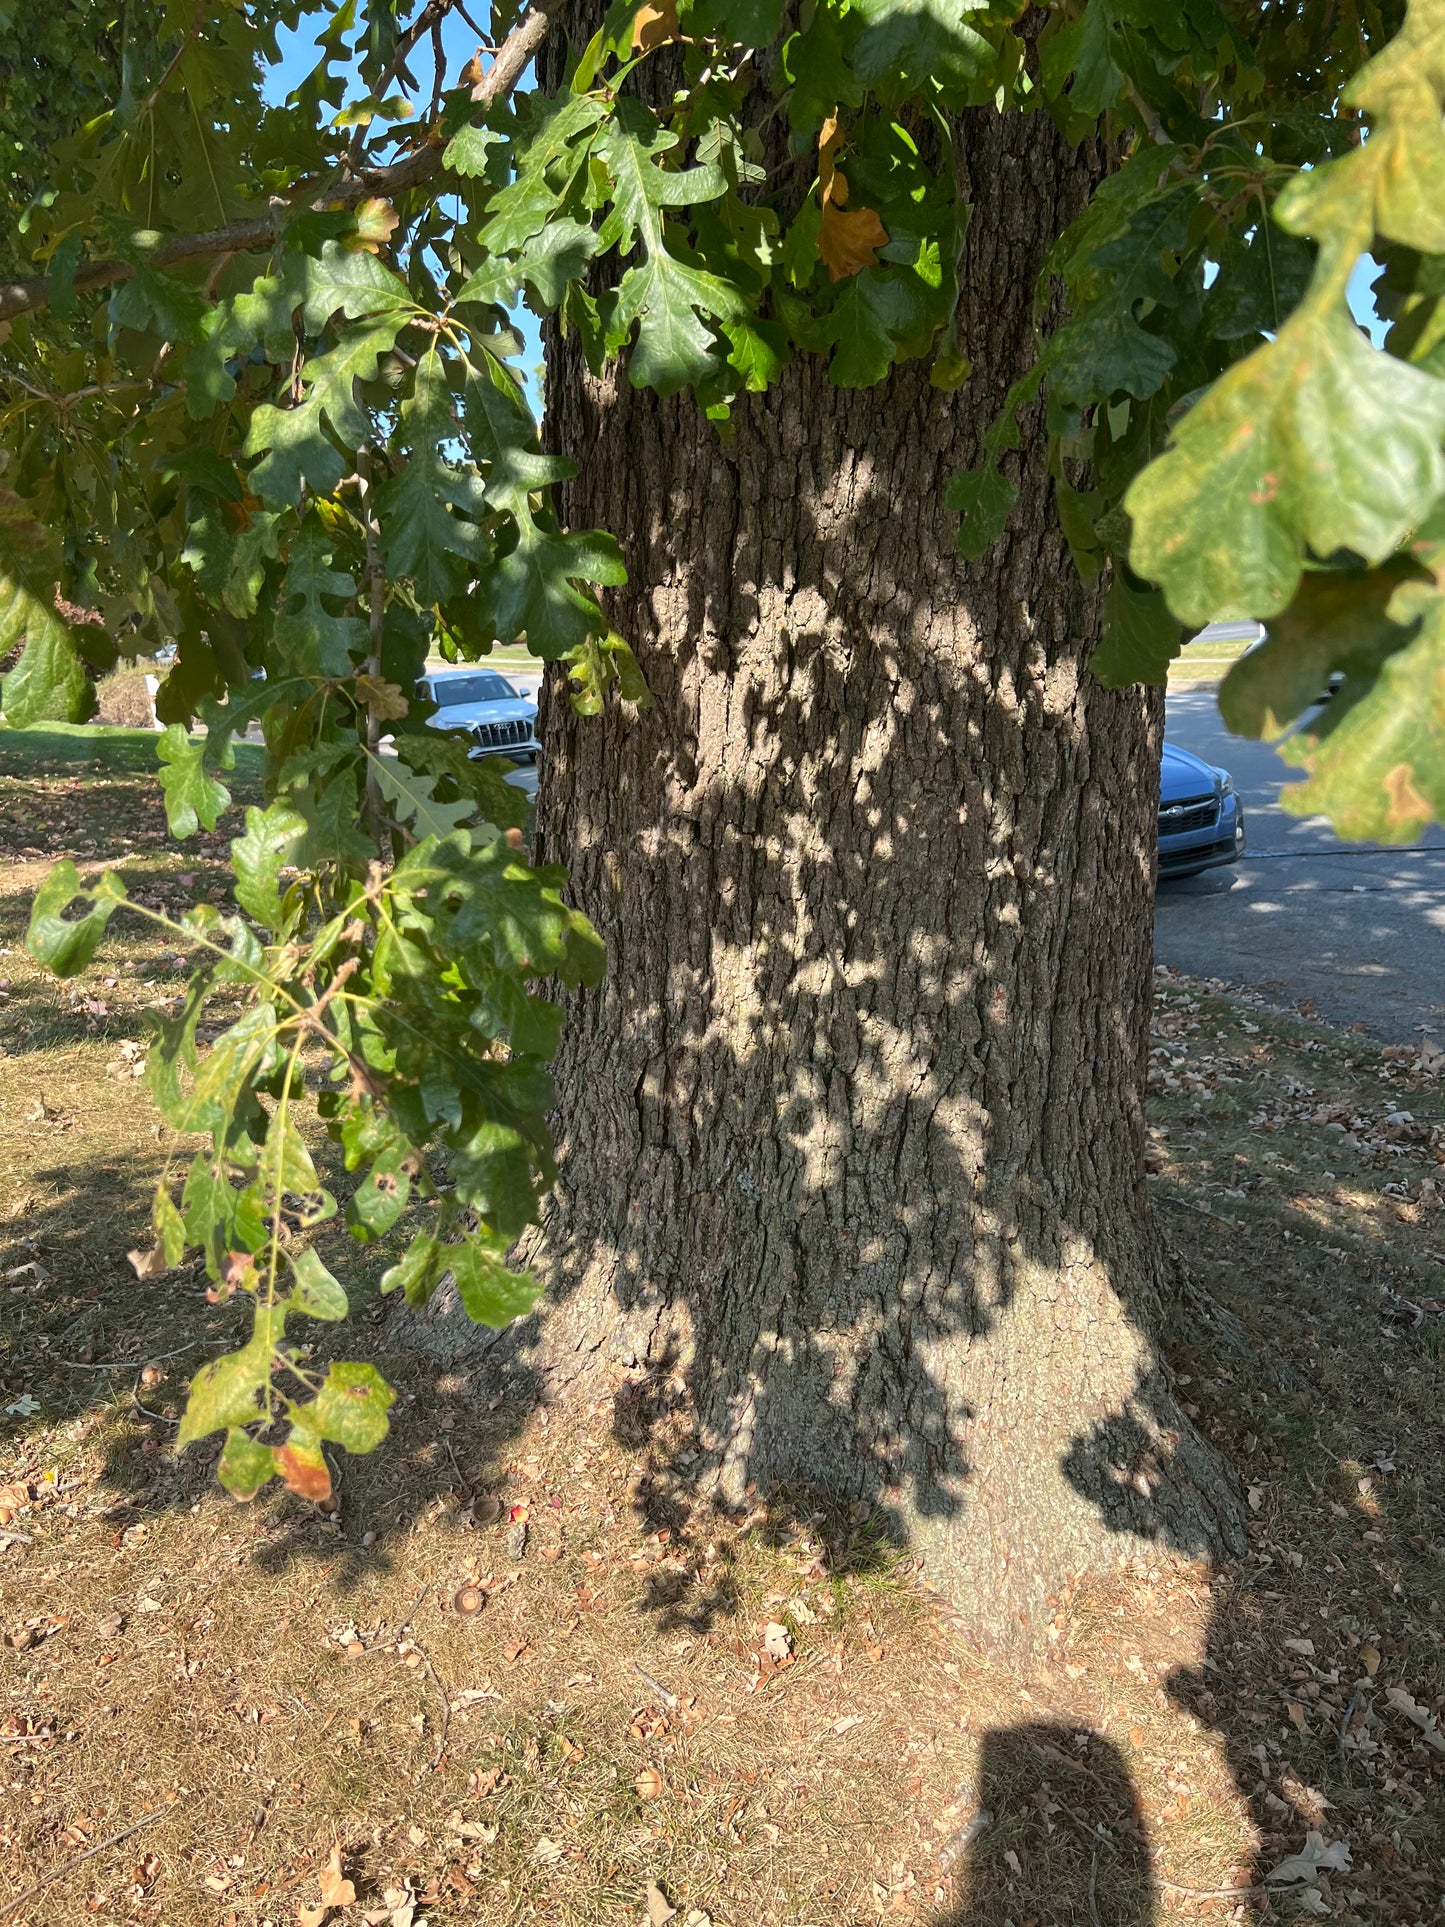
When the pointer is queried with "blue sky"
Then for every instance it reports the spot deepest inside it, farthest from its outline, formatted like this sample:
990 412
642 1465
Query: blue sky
459 42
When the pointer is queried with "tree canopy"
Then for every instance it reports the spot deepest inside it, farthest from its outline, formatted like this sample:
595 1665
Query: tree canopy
259 400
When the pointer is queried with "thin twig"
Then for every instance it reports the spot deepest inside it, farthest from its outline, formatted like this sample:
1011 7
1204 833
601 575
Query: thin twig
126 1364
1093 1885
669 1700
114 1840
444 1697
1203 1209
1212 1893
376 612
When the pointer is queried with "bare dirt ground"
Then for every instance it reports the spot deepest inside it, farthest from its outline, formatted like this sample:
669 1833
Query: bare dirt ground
524 1674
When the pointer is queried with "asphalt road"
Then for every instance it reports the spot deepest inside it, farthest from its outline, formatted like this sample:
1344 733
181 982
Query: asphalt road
1356 931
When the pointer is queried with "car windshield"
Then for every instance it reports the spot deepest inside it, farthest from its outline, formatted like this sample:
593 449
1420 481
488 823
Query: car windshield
451 692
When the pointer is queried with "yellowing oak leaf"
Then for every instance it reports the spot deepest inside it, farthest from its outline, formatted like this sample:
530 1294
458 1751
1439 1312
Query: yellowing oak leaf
848 239
383 699
304 1473
654 24
376 221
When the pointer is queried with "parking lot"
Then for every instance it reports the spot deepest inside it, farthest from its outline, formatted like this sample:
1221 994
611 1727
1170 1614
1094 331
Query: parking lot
1356 931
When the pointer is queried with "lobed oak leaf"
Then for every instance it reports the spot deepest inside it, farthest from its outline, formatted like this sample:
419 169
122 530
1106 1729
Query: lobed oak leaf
660 1909
847 240
384 699
376 221
653 25
336 1889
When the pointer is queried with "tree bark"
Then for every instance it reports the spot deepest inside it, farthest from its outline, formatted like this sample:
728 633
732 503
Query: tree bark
850 1139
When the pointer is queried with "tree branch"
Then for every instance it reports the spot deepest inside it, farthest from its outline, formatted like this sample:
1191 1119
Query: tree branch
243 237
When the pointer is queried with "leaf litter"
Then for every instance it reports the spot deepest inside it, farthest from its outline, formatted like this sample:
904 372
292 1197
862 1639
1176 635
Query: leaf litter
833 1774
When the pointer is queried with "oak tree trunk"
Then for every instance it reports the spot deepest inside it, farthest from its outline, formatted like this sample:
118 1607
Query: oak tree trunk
850 1138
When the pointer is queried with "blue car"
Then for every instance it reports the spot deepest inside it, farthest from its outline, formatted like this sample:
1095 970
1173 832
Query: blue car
1201 820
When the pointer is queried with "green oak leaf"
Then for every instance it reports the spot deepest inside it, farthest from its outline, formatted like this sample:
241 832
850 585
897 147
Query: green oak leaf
227 1392
1261 282
875 317
490 1293
418 1272
381 1197
740 23
1141 638
244 1466
1376 758
49 683
445 754
903 42
667 300
170 1226
1315 442
985 500
467 150
1339 620
296 444
258 858
351 1407
555 257
153 302
425 533
1076 59
194 798
314 1290
314 641
414 802
65 944
243 1051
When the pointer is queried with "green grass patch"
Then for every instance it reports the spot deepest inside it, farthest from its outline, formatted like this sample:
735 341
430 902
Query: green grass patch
75 746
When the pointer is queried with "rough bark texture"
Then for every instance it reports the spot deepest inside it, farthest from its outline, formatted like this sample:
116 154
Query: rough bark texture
851 1136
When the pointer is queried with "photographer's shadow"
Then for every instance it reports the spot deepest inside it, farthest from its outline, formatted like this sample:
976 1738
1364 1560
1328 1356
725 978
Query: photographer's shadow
1058 1836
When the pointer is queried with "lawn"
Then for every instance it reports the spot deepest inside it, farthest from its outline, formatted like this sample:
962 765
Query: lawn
522 1674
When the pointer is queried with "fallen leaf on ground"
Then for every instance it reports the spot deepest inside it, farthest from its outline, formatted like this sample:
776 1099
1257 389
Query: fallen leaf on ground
1314 1858
650 1783
336 1889
777 1640
1420 1715
659 1909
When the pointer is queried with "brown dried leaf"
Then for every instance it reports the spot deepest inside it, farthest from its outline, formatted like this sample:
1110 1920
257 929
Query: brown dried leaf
650 1784
148 1264
659 1908
383 699
777 1641
847 241
654 24
336 1889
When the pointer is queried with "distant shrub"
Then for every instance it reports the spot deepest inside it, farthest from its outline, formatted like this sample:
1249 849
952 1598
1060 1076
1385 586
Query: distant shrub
123 700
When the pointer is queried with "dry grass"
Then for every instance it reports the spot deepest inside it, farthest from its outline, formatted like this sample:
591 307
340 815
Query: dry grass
123 700
1204 662
272 1684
